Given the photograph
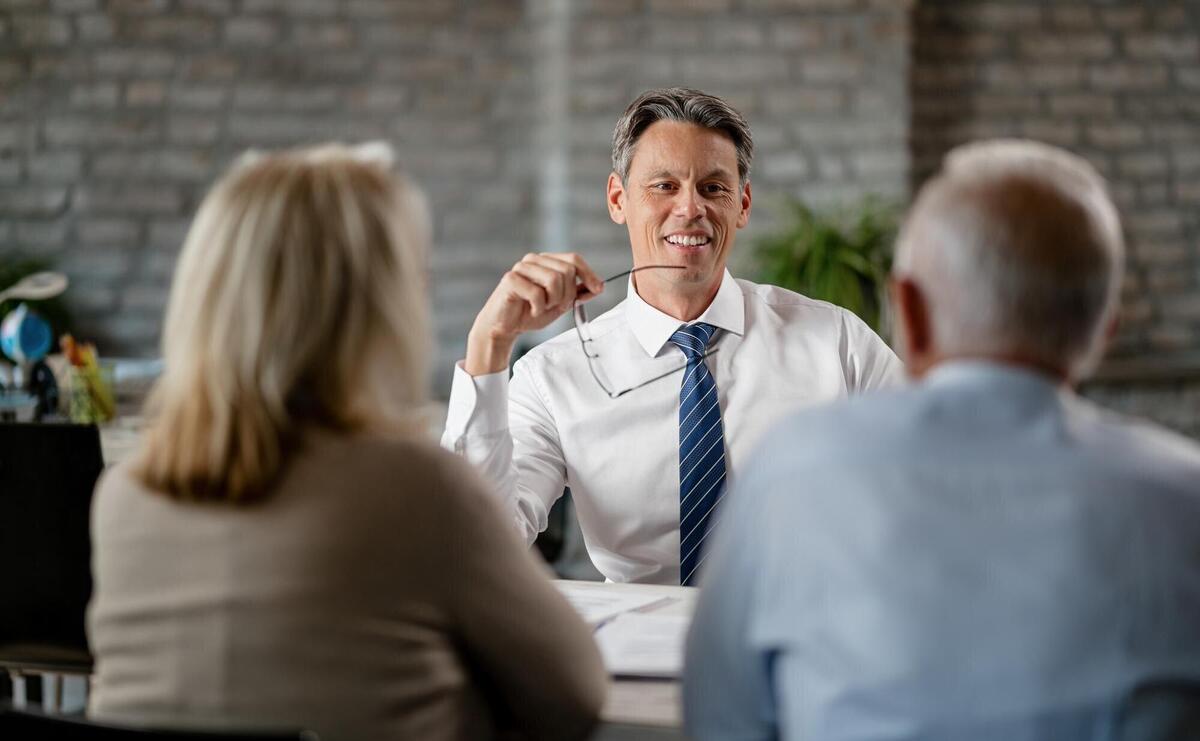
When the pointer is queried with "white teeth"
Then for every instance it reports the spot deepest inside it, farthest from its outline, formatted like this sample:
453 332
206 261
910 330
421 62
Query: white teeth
687 241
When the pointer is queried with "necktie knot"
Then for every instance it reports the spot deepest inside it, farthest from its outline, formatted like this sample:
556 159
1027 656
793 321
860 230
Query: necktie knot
693 339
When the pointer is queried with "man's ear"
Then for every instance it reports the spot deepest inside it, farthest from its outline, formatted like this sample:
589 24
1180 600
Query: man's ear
744 216
616 198
914 322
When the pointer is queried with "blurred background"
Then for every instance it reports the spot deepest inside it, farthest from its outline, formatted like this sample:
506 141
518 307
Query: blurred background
116 116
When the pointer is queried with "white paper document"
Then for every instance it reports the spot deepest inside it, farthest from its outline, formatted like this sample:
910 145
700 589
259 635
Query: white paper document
636 644
597 605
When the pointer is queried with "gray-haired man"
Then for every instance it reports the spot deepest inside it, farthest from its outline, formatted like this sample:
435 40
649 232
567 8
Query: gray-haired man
655 413
983 555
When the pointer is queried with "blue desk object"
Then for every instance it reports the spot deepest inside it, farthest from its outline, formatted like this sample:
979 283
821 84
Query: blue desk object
24 336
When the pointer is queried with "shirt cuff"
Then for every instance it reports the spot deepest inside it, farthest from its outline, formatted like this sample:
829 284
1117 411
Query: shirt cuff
477 402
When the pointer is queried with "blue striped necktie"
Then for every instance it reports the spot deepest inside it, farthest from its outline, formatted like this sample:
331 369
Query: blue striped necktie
701 450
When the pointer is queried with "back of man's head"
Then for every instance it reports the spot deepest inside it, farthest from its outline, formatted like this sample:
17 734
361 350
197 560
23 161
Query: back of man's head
1017 249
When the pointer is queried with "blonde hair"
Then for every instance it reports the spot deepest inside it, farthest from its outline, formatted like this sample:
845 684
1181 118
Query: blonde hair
298 300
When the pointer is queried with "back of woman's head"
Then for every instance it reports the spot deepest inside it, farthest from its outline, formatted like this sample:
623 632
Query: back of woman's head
298 301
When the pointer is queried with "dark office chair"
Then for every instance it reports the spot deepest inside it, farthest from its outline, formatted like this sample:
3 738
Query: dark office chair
47 473
1163 710
20 724
550 541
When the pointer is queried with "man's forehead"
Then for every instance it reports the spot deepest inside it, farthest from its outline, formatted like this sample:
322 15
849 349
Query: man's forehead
678 148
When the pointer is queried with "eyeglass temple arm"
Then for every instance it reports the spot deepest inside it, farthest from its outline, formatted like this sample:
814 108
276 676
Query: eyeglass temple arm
585 294
649 381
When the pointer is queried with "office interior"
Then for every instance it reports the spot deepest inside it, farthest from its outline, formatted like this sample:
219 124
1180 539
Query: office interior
116 116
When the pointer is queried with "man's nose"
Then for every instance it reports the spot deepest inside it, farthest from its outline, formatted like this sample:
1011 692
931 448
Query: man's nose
688 204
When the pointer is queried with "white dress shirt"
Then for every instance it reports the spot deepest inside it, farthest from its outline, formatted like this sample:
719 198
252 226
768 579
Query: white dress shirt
552 426
984 556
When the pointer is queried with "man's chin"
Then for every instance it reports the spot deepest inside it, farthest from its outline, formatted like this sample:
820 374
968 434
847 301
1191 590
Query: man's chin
691 276
694 275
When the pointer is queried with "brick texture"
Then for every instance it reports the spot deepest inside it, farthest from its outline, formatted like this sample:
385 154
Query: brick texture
1116 83
1106 80
116 115
823 85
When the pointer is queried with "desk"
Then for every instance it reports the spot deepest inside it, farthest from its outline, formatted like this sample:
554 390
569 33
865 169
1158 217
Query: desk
645 709
119 438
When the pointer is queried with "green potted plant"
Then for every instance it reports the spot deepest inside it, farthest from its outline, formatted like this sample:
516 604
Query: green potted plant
841 256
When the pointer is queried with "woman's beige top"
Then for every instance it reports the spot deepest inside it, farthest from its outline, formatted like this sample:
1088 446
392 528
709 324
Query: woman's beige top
376 594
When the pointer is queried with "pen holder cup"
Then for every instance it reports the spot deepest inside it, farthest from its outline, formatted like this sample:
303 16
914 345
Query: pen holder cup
91 397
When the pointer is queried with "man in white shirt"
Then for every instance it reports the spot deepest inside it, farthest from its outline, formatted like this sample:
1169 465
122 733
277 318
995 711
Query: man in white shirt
649 410
983 555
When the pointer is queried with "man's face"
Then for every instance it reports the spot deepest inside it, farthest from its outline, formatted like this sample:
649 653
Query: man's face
682 203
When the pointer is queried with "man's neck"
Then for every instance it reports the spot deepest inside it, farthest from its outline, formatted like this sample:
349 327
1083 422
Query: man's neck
672 298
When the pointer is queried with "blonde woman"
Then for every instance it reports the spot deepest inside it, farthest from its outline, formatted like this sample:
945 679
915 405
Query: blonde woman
286 550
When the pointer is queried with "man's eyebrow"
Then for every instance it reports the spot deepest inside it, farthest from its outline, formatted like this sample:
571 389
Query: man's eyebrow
718 172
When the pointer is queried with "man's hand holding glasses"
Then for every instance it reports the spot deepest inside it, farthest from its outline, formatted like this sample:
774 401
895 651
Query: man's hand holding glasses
536 291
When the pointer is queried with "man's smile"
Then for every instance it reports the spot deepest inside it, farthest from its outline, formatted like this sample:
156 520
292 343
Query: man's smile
688 241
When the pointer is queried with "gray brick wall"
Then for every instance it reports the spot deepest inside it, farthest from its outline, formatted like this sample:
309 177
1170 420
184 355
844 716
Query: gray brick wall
116 115
1173 403
822 82
1119 83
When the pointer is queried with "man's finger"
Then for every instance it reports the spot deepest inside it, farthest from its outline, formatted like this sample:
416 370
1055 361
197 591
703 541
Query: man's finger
528 291
558 287
583 271
571 282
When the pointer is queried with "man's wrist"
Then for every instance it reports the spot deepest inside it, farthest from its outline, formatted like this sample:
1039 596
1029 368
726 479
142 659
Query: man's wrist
487 354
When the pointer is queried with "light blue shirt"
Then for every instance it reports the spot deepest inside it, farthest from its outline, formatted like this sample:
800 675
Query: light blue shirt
982 556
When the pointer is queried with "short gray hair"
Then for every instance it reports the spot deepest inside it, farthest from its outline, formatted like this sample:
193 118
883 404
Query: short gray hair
685 106
1018 248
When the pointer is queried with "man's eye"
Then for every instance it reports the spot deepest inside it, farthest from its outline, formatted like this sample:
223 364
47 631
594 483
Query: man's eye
662 186
714 188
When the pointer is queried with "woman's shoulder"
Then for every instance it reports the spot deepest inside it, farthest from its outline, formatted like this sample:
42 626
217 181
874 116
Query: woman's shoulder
412 453
121 501
119 483
392 463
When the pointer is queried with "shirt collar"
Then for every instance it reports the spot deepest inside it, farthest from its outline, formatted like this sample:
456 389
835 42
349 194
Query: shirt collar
653 328
993 373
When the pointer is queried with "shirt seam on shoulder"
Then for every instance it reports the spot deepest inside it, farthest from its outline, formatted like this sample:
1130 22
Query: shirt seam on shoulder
801 301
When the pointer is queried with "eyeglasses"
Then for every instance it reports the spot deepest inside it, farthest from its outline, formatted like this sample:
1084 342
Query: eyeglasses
579 312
